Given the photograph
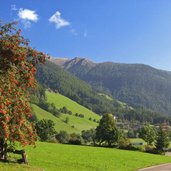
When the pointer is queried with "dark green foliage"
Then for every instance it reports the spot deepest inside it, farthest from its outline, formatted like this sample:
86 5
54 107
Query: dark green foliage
75 139
136 84
38 97
59 80
38 94
50 107
131 133
66 120
89 136
148 134
70 112
81 115
65 111
141 115
53 77
107 131
62 137
124 143
162 140
45 129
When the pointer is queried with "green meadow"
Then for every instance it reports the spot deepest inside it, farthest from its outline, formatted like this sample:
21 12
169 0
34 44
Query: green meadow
58 157
75 124
61 101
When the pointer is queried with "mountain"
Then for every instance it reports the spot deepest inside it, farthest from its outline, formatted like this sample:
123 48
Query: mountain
135 84
54 77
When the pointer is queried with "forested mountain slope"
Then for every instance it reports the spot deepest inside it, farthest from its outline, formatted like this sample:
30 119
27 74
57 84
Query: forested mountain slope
54 77
136 84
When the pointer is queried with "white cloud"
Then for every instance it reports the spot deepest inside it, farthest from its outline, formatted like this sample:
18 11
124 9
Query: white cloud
58 20
27 14
13 7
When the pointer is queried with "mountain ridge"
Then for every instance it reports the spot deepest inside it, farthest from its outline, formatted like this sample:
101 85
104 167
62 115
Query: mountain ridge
66 61
139 85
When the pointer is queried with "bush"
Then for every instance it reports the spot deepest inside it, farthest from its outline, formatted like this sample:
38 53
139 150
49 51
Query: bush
81 115
50 107
70 112
94 120
62 137
65 111
75 139
75 142
124 143
66 120
89 136
131 133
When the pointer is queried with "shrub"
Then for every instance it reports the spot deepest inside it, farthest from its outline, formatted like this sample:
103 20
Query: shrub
151 149
124 143
75 139
62 137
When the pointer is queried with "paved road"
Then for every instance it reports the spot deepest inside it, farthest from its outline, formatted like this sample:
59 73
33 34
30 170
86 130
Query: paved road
163 167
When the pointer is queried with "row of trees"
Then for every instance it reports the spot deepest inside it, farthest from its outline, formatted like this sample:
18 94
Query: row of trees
106 134
155 137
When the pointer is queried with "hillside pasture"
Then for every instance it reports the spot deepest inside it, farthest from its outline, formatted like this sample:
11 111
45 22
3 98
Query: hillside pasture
61 101
75 124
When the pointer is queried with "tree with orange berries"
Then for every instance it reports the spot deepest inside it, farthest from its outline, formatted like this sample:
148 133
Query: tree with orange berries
17 75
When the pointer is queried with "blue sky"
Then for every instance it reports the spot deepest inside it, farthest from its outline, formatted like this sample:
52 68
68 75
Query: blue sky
129 31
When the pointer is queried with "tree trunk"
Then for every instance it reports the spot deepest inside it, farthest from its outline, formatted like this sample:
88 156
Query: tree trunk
3 150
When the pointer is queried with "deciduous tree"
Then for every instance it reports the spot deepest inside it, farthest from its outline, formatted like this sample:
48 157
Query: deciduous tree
148 134
107 130
17 70
45 129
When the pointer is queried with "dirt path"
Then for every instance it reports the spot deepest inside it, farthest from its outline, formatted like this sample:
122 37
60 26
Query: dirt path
163 167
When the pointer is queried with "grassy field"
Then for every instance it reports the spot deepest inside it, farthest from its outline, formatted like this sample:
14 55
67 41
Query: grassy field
61 101
58 157
78 123
75 124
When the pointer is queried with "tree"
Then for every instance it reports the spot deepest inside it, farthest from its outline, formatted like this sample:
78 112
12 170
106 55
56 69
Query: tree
107 130
148 134
45 129
89 135
75 139
131 133
162 140
62 137
17 76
